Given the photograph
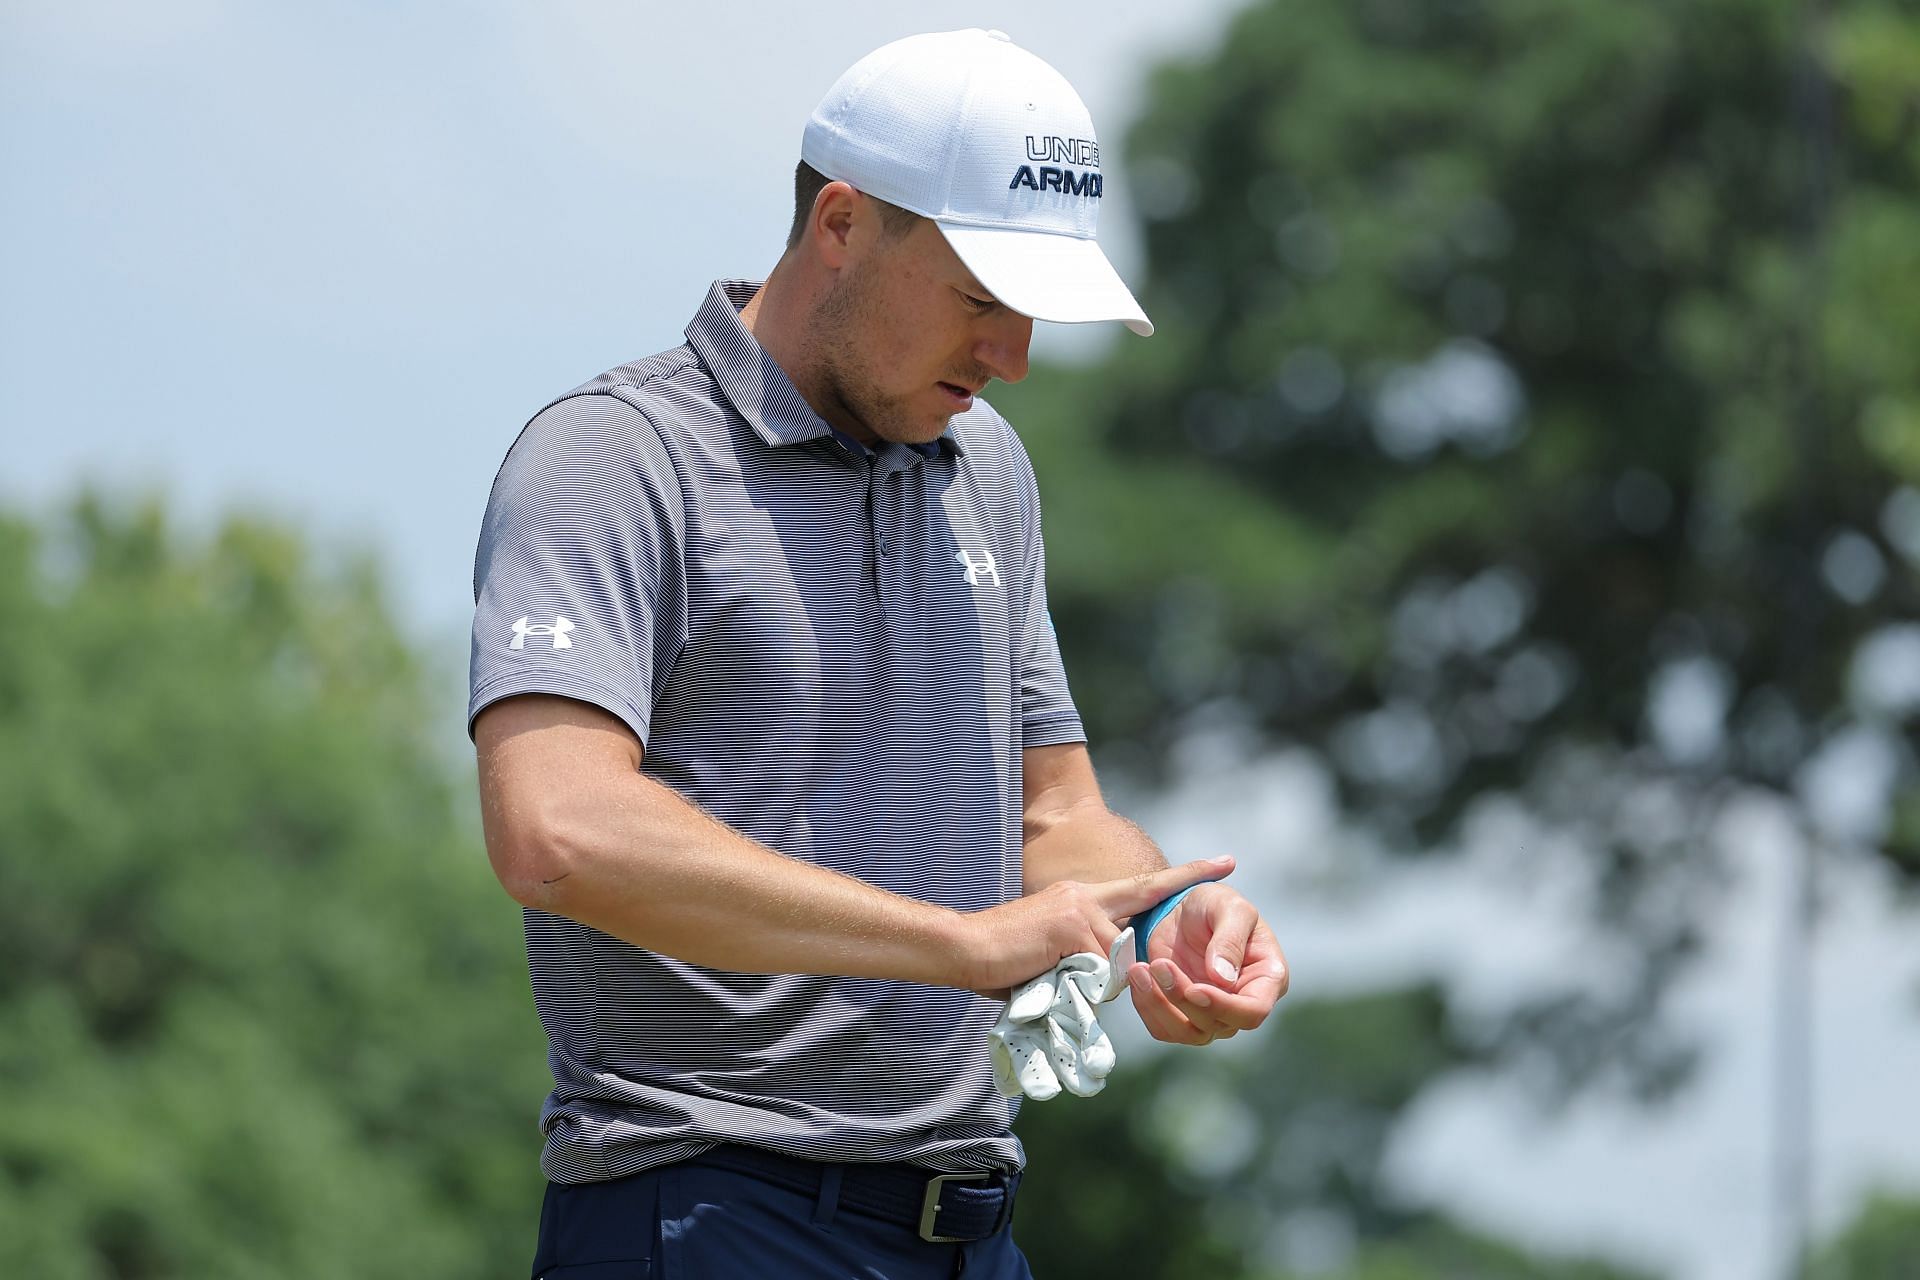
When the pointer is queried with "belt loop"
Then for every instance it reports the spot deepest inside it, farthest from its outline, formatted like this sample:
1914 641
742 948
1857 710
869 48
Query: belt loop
829 1196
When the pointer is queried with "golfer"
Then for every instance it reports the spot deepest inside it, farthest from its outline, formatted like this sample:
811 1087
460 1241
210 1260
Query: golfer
775 745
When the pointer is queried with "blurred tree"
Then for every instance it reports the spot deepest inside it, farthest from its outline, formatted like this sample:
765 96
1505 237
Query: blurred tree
263 1010
1881 1243
1193 1165
1533 416
262 1006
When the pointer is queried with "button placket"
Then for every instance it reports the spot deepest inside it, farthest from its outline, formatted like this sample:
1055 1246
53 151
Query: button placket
883 508
874 546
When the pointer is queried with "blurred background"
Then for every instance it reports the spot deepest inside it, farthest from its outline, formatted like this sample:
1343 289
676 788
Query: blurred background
1509 546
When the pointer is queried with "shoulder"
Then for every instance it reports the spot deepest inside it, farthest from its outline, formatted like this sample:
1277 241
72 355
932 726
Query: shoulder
599 446
990 443
622 414
635 389
995 454
639 376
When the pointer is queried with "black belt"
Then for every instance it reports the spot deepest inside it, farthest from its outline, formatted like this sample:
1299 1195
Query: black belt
943 1208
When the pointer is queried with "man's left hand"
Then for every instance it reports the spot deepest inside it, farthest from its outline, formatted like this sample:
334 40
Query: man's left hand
1213 969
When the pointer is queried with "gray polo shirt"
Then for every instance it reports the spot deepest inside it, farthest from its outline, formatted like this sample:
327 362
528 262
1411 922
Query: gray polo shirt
839 652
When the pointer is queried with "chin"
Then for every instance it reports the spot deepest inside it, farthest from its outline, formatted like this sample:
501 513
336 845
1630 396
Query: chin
932 433
906 423
920 433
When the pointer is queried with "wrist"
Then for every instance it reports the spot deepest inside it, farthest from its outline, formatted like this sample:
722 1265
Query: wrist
947 950
1147 921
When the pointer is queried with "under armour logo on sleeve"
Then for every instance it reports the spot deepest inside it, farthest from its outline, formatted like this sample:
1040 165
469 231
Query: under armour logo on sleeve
522 629
977 567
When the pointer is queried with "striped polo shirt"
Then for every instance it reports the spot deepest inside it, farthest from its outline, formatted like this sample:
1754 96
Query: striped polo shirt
839 652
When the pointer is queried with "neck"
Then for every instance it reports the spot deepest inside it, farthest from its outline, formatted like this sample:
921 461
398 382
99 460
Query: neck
778 316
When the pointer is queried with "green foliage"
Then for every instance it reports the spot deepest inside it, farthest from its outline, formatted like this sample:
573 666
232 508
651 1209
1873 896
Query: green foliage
262 1011
1442 1252
1257 1156
1518 362
1102 1194
1881 1243
1514 356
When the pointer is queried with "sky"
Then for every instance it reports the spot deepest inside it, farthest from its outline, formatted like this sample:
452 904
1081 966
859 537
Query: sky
324 260
327 259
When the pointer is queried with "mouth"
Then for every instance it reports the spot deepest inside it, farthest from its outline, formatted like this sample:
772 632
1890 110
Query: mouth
957 395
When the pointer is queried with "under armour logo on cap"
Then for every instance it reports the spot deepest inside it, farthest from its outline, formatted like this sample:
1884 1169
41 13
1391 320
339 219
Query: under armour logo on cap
522 629
991 143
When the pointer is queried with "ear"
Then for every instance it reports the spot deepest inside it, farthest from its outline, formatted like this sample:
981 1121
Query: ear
831 228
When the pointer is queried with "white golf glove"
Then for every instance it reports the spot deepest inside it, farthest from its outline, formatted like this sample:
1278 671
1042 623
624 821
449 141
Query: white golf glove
1048 1037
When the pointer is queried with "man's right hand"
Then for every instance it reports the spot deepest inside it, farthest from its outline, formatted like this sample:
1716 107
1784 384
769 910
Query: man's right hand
1006 945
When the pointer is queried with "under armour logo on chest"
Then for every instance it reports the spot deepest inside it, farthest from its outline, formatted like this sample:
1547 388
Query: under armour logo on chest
975 568
558 631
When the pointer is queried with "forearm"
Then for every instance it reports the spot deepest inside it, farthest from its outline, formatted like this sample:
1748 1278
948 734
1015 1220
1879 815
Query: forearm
1090 844
633 858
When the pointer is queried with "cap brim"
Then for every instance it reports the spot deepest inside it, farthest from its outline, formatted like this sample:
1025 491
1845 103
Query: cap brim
1049 277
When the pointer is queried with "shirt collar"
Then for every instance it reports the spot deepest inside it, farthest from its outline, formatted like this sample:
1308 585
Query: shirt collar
755 384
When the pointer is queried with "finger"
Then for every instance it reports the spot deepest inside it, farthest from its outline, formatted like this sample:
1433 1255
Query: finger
1195 1001
1225 1012
1158 1014
1129 897
1184 933
1261 955
1265 964
1262 983
1276 963
1219 929
1198 1002
1172 1021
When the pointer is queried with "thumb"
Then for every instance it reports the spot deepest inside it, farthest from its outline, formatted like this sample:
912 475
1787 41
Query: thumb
1223 959
1228 925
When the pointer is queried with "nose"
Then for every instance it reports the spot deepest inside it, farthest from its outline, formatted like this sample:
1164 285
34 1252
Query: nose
1001 347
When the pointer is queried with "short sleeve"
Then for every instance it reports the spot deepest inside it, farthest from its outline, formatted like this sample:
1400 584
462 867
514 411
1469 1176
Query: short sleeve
1047 713
579 579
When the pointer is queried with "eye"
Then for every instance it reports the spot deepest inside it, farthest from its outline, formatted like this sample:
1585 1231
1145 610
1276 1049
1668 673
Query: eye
979 304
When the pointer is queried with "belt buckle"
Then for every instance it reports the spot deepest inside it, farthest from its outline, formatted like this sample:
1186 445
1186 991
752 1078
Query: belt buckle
930 1204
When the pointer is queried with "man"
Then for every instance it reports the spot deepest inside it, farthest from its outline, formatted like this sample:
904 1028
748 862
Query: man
775 744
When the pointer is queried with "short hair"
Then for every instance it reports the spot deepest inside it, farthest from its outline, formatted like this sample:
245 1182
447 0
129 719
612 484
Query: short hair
807 184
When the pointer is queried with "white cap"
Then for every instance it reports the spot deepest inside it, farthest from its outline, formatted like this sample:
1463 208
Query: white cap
972 131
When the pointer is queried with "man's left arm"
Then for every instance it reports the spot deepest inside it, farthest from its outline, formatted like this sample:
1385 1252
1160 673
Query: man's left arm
1214 967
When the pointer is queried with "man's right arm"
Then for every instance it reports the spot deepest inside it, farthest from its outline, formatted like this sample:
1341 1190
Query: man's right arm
574 828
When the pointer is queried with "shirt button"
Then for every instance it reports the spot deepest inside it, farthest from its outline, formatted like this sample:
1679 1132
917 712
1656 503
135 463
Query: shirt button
886 549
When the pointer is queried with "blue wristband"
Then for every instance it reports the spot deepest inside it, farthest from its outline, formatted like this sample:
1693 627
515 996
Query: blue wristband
1145 923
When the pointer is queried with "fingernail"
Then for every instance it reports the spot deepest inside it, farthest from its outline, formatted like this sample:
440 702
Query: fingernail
1225 857
1164 978
1139 980
1201 998
1225 970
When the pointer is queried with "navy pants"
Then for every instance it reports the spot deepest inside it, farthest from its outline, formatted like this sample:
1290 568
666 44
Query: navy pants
691 1222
